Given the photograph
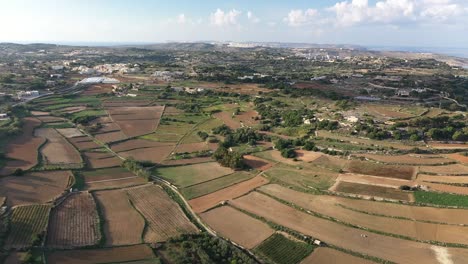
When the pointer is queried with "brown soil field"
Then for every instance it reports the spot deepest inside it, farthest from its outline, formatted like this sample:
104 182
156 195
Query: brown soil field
74 223
275 156
244 88
326 205
133 144
164 217
329 255
417 213
132 113
100 160
122 224
442 179
40 113
22 150
117 183
453 169
98 89
307 156
134 128
57 150
458 157
111 136
70 132
390 171
374 180
407 159
35 187
83 143
447 188
371 191
248 118
227 119
330 162
155 154
237 226
104 255
384 247
257 163
192 147
51 119
102 120
438 145
186 161
208 201
106 174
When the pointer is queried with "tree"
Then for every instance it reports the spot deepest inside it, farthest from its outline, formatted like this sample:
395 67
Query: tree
415 137
231 159
288 153
309 145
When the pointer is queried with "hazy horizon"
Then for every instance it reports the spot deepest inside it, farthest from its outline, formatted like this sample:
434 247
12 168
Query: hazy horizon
415 23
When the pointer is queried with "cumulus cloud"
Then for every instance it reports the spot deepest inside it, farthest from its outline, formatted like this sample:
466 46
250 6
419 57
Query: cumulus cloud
252 18
349 13
300 17
221 18
181 19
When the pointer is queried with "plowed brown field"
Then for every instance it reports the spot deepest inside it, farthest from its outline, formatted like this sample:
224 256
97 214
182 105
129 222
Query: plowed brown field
208 201
74 223
164 217
384 247
122 224
35 187
57 150
237 226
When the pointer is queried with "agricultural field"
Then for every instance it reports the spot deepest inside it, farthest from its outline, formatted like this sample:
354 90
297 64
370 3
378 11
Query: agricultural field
364 242
257 163
21 152
104 255
28 225
389 171
453 169
119 214
83 143
152 154
163 216
200 189
368 190
237 226
136 121
444 199
70 132
325 205
307 177
203 203
281 250
74 223
329 255
57 150
460 157
188 175
99 159
408 159
34 187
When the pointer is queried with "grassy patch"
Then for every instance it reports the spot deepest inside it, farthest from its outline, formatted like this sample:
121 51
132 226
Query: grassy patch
282 250
204 188
445 199
188 175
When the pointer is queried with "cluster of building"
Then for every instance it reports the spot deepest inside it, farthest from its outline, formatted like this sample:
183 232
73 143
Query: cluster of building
189 90
108 69
167 76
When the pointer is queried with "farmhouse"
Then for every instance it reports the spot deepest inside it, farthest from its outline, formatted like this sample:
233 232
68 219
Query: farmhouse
3 116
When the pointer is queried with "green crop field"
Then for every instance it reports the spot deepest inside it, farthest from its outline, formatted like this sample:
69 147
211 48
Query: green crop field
281 250
204 188
445 199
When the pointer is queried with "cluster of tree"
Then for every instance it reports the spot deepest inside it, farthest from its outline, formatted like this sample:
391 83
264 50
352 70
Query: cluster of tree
136 167
229 158
242 135
204 248
287 146
436 128
293 118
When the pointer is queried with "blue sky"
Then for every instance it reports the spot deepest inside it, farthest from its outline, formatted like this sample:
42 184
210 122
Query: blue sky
426 23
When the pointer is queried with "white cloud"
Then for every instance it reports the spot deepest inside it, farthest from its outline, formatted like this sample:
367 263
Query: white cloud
300 17
252 18
181 19
349 13
221 18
